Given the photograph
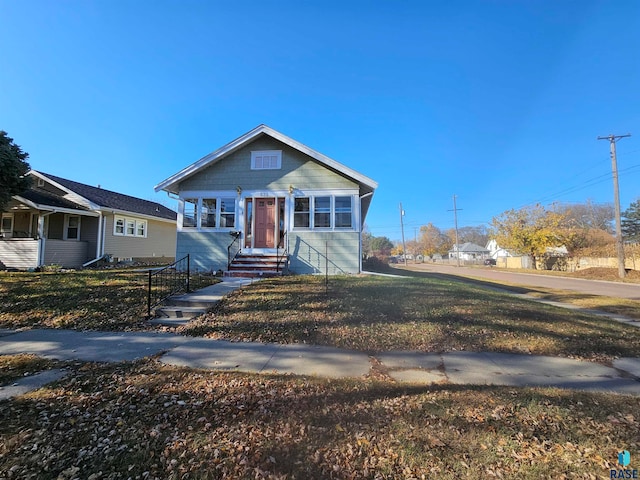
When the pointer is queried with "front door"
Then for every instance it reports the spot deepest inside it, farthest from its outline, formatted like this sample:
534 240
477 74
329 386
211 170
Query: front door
265 223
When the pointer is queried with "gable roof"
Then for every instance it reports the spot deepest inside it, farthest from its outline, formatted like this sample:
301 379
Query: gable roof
469 247
367 185
107 199
43 200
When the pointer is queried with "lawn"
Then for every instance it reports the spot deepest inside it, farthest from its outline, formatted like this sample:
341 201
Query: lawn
143 420
374 314
81 300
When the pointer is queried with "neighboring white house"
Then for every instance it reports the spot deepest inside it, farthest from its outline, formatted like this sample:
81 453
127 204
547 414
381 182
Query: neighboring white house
495 251
468 251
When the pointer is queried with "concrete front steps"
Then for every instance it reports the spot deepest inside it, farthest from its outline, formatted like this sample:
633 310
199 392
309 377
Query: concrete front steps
257 265
180 309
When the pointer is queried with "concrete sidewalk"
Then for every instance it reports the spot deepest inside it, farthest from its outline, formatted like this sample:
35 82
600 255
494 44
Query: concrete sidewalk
473 368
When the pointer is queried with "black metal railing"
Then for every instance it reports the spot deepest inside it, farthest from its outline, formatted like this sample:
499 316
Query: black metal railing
284 246
168 281
233 249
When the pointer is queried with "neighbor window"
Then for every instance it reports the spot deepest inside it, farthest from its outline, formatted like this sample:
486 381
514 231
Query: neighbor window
73 227
266 160
119 226
129 227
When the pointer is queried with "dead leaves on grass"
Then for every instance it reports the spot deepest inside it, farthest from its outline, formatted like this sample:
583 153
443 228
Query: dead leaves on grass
144 421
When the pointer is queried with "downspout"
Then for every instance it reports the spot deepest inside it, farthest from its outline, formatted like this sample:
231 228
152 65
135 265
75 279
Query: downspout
99 244
361 229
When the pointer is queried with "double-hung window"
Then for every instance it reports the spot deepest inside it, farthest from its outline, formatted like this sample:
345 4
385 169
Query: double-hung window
343 210
322 212
72 228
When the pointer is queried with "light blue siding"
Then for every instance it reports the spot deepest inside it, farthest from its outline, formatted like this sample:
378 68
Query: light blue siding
334 253
208 250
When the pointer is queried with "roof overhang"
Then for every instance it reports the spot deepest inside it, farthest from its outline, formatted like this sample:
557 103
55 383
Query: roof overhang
170 185
54 209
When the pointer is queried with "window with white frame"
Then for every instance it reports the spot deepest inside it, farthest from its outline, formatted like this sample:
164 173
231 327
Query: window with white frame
6 230
343 210
266 160
72 227
323 212
129 227
218 212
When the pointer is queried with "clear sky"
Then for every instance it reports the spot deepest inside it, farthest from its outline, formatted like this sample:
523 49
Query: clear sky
497 102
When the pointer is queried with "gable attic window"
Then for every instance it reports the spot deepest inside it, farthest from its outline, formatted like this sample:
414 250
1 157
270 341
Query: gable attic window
266 160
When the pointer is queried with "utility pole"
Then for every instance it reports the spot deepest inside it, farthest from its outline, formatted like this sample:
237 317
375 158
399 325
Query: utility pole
616 200
455 219
404 248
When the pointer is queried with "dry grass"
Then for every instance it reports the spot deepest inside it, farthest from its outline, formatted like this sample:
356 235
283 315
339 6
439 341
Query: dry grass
374 314
144 420
13 367
82 300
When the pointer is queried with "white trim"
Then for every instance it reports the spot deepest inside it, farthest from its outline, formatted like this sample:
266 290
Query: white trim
10 216
355 207
47 208
65 232
127 213
126 222
218 196
73 196
170 183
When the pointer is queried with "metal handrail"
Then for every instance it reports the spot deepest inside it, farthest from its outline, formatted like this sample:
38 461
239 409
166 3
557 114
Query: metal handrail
238 247
285 251
168 281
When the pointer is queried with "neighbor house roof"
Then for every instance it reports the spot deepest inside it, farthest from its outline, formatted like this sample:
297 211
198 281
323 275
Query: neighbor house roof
171 184
45 200
109 200
469 247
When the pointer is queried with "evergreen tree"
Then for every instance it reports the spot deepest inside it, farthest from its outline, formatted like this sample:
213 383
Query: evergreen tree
631 222
13 170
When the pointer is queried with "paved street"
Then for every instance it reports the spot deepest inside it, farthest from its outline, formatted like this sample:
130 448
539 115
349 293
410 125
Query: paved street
592 287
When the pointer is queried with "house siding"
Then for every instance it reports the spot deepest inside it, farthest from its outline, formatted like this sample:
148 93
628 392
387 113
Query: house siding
298 170
159 242
89 234
207 250
334 253
21 253
67 253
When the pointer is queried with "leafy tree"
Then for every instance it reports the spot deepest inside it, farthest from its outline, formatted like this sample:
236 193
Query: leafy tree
381 246
433 241
529 231
631 222
13 170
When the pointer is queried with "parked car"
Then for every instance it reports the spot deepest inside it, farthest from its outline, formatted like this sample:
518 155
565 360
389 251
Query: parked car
490 261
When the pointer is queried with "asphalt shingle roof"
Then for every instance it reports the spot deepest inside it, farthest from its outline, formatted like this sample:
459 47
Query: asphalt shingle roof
119 201
40 197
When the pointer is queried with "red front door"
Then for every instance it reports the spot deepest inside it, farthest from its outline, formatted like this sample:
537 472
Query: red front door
265 223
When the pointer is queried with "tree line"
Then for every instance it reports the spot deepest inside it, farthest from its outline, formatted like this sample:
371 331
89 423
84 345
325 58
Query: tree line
584 229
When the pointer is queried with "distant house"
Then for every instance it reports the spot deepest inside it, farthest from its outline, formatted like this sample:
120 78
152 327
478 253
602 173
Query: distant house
495 251
265 194
468 251
63 222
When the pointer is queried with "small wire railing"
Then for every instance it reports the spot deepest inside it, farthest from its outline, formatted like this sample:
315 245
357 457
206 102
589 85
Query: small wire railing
283 245
233 249
168 281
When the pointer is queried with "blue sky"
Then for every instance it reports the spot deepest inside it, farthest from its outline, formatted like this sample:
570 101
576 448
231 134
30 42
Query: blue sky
497 102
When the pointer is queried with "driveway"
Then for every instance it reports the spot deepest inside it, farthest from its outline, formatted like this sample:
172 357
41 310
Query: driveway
592 287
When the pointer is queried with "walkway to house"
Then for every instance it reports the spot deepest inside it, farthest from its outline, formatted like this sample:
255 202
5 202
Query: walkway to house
300 359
